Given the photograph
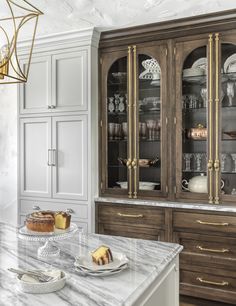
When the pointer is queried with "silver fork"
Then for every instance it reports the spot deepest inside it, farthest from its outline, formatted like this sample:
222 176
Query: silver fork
34 274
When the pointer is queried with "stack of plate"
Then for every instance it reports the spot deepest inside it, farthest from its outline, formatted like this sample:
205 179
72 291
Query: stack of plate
198 68
85 266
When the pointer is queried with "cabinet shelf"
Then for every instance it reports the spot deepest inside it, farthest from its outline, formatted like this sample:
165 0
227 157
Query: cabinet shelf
125 140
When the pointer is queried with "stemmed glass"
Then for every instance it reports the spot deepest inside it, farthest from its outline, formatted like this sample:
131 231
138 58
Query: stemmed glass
150 125
230 92
187 159
198 159
233 155
223 159
204 96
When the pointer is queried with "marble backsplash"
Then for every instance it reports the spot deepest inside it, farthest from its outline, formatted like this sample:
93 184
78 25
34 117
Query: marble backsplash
8 153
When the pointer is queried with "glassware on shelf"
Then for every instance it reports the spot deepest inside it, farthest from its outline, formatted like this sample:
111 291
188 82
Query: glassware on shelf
117 102
187 159
151 125
111 130
122 106
142 130
223 160
117 131
233 192
111 105
124 126
198 159
230 92
233 155
203 94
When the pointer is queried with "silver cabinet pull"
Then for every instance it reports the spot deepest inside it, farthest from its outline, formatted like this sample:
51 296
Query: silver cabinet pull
49 107
70 211
53 106
36 207
49 157
53 157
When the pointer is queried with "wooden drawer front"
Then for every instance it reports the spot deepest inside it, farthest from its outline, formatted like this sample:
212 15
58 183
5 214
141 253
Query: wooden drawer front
205 223
131 231
142 216
76 210
206 280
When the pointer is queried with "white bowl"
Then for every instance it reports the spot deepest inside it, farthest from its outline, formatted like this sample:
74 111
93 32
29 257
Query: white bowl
142 185
46 287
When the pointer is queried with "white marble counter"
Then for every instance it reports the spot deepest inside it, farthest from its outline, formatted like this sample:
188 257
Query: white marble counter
147 260
211 207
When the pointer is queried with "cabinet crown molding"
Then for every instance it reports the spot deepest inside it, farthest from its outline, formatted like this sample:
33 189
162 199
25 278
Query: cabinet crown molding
75 38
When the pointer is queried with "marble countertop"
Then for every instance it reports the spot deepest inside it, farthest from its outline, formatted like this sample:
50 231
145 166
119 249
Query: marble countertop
147 259
211 207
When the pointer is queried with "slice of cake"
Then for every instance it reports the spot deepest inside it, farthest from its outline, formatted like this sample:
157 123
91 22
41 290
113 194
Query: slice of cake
102 255
62 220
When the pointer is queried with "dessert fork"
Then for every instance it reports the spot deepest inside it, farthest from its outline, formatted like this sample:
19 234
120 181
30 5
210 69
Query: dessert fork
34 274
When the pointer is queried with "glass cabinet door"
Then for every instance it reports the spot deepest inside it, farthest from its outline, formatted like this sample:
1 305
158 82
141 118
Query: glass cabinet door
149 128
192 122
117 125
227 130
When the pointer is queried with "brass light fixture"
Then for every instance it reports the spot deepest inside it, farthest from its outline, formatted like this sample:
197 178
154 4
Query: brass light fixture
19 16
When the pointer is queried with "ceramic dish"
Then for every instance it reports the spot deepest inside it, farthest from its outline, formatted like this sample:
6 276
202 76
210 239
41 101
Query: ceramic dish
142 185
230 64
190 72
86 263
42 287
231 134
200 63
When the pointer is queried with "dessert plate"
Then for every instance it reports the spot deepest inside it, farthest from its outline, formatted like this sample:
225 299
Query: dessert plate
85 262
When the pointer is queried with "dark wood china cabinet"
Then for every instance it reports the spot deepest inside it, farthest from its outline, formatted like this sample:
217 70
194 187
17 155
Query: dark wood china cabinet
168 109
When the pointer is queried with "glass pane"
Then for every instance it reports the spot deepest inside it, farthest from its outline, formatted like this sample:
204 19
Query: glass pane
194 122
228 118
117 124
149 123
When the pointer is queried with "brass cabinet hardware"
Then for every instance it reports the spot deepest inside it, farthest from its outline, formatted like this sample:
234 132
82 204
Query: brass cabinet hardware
130 216
101 123
213 223
199 247
166 51
223 283
210 127
130 121
134 162
217 163
129 163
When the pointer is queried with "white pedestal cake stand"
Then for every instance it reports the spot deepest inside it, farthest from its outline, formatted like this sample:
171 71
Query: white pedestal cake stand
48 250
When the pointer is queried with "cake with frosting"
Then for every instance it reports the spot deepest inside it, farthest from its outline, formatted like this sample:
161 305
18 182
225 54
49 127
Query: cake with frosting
47 221
102 255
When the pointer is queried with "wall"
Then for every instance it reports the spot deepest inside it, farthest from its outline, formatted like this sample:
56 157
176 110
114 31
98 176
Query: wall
8 153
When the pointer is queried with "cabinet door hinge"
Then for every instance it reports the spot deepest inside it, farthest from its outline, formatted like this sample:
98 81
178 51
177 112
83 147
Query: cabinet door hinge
101 123
166 51
175 190
175 120
174 50
167 189
166 120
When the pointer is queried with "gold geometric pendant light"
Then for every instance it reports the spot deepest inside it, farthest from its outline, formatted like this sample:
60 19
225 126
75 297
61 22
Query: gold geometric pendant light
19 17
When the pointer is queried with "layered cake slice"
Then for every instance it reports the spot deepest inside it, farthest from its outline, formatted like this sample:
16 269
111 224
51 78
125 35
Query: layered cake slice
102 255
62 220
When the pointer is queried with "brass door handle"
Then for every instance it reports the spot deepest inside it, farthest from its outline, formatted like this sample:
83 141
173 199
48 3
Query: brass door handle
129 163
130 216
134 163
212 250
213 223
223 283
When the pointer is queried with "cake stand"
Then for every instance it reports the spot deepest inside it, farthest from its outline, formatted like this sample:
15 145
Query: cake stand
48 250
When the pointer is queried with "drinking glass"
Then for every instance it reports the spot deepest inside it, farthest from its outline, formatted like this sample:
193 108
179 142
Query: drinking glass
223 160
117 130
230 92
233 155
150 126
124 129
204 96
187 159
111 130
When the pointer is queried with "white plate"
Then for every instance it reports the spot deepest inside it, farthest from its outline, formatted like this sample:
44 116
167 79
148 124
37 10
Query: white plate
230 62
85 261
193 72
99 273
142 185
200 63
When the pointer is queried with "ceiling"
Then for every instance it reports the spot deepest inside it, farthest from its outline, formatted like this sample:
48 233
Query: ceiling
65 15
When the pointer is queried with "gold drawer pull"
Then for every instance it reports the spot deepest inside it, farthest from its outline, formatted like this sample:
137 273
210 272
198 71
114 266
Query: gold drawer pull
223 283
129 216
213 223
212 250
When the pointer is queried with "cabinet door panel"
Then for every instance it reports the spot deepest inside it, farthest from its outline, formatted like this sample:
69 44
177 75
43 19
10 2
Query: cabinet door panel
70 157
35 94
34 144
70 81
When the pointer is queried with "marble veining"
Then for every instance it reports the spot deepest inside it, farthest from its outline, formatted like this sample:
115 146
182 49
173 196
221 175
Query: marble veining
147 259
210 207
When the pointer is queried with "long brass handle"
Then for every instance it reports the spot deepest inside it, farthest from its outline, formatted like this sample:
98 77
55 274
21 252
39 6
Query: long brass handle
130 122
213 223
212 250
223 283
129 163
217 162
134 163
130 216
210 161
